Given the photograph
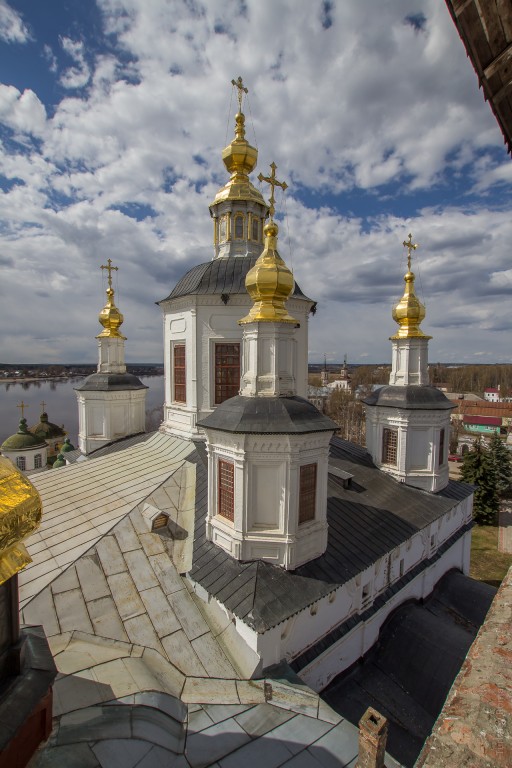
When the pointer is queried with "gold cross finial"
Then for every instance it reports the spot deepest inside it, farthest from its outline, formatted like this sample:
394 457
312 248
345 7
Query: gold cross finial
241 90
43 406
110 269
22 405
410 247
273 184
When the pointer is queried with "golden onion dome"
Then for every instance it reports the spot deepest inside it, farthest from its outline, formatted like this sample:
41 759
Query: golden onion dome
409 312
269 284
110 317
20 515
240 159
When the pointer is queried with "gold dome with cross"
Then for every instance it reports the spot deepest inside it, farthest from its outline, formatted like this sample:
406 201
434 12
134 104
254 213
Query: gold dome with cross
269 283
110 317
409 312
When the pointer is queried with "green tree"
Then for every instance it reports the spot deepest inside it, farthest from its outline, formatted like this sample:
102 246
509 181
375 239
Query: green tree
478 469
502 464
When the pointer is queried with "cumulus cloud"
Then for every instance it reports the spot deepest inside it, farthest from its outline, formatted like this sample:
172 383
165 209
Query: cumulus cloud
12 27
356 110
79 75
22 111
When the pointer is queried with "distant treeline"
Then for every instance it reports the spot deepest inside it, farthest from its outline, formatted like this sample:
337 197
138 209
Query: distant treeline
456 378
473 378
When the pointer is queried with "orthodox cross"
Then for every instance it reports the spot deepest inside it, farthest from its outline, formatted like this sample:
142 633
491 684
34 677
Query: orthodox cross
410 247
110 269
273 183
43 406
22 405
241 90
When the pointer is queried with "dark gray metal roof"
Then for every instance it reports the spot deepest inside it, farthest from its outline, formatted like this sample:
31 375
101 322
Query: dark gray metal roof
413 397
221 276
408 673
110 382
268 416
367 520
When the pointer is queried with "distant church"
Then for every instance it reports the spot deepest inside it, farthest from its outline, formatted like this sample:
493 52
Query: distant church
295 545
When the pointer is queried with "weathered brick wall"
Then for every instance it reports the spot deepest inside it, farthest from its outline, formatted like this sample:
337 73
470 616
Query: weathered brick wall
475 725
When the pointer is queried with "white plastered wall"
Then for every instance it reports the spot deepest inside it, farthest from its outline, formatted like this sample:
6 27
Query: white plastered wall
293 636
107 416
418 461
266 479
199 322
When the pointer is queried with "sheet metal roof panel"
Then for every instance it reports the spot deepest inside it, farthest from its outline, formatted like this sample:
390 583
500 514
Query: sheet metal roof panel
411 397
223 275
267 416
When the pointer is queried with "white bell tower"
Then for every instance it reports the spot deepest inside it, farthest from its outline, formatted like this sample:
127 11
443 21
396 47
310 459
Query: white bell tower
408 421
111 402
268 448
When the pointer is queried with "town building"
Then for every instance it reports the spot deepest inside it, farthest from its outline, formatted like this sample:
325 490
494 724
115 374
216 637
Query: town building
51 433
28 452
492 394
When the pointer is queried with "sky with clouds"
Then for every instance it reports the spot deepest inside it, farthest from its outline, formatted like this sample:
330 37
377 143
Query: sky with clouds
113 115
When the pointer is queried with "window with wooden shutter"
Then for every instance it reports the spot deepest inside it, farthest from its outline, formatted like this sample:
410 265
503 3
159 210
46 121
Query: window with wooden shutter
389 446
227 371
307 493
180 388
226 490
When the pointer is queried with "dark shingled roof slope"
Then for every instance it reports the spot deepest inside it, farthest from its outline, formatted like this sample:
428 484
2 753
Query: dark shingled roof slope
268 416
224 275
110 382
411 397
366 521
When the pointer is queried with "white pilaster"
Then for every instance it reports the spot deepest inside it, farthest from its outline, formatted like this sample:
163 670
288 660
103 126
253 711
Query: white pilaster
269 360
409 363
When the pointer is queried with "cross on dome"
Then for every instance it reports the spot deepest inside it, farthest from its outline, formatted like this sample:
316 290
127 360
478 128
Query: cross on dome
241 90
410 247
110 269
273 184
43 406
22 405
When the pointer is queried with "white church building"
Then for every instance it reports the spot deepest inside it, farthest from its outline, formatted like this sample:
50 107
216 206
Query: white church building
244 511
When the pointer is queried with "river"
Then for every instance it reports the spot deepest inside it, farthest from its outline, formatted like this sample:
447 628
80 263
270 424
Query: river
59 400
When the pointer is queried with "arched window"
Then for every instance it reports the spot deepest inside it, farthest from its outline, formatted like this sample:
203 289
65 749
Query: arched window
21 463
255 225
223 229
239 226
38 463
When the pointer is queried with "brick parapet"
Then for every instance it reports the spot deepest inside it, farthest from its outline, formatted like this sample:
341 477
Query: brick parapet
475 725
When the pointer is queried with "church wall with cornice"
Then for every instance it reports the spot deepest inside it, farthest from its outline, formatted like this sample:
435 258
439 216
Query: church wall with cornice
200 322
292 637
